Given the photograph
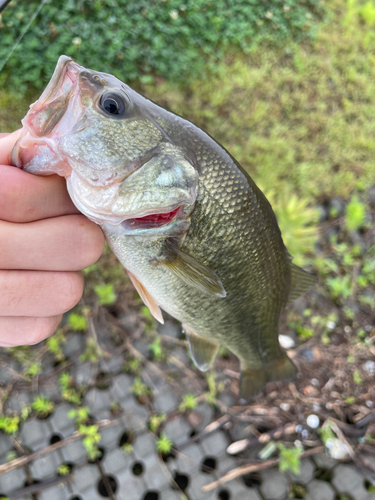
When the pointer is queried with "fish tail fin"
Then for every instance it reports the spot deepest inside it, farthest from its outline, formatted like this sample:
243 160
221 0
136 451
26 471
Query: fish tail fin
254 380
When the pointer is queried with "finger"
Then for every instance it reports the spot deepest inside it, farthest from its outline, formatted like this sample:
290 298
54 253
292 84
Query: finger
38 294
26 331
25 197
6 145
67 243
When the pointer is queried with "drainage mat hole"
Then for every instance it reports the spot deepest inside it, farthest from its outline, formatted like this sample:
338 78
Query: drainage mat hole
193 433
168 456
76 497
102 486
323 474
55 438
223 495
370 486
252 480
298 490
208 465
99 457
138 468
181 480
151 495
127 437
65 468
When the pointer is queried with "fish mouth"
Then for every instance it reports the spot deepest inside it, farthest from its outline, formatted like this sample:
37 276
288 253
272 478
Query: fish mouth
63 79
43 124
152 221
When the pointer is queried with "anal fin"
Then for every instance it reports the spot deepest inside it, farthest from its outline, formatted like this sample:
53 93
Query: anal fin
147 298
301 282
254 380
203 352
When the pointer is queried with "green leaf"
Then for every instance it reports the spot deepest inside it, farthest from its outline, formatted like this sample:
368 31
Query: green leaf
105 294
77 322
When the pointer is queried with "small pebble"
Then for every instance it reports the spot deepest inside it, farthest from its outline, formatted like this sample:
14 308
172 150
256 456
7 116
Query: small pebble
286 342
299 428
369 367
297 443
329 406
285 406
305 434
316 407
369 403
313 421
331 325
368 328
315 382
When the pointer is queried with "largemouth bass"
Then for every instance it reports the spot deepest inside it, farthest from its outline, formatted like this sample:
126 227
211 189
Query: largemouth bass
196 235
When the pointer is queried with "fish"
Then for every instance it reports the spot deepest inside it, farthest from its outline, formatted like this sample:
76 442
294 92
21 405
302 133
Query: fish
196 235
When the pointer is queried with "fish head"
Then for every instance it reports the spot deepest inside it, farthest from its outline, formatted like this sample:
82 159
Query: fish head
105 138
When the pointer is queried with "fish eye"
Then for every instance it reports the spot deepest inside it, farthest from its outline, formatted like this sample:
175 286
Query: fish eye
113 104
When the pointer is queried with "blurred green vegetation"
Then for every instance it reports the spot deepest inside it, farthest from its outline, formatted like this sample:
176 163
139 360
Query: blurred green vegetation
137 39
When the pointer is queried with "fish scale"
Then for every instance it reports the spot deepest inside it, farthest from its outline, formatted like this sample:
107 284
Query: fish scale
196 235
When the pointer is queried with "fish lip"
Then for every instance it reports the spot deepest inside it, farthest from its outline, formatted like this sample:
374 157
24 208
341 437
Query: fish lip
65 76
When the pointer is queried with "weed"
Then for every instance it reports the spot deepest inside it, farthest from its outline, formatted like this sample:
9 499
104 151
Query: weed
188 403
25 411
355 214
68 391
156 349
77 322
164 444
34 369
340 287
139 389
127 448
357 379
63 470
106 294
115 408
43 406
90 440
93 352
133 366
297 222
156 421
290 458
81 415
54 344
10 425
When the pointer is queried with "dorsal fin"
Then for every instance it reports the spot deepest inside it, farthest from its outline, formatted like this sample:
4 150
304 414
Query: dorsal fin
301 281
147 298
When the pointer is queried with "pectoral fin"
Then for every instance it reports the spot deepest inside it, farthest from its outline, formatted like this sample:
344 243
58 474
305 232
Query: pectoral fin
254 380
147 298
191 271
203 352
300 283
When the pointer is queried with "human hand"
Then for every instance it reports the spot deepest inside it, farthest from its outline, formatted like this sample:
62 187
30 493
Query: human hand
44 242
